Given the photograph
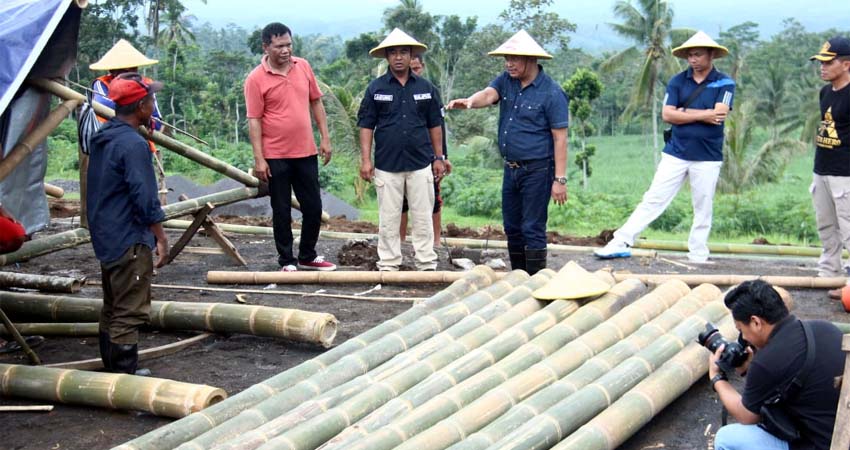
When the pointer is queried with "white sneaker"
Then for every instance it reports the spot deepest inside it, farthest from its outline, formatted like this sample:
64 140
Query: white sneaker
614 249
289 268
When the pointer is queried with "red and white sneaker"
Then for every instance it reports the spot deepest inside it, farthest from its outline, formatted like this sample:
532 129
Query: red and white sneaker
289 268
317 264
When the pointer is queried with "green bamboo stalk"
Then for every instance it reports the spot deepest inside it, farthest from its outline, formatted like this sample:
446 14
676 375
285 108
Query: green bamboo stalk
55 329
746 249
108 390
359 363
844 327
170 436
304 326
380 389
731 280
569 414
474 374
461 425
45 283
637 407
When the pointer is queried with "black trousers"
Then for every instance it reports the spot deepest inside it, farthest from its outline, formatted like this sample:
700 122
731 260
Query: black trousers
299 175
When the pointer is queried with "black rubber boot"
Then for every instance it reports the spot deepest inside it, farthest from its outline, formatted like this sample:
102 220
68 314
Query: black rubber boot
124 358
517 256
103 340
535 260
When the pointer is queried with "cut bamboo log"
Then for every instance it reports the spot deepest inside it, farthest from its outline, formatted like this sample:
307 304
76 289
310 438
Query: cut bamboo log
341 277
144 355
536 389
730 280
359 363
743 249
172 435
54 329
303 326
25 146
54 191
467 378
107 390
841 435
375 389
637 407
42 283
566 416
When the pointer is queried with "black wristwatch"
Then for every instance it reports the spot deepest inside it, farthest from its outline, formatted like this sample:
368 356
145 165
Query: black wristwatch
561 180
720 376
438 158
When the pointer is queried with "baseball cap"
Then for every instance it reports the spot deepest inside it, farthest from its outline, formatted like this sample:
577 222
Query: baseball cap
130 87
833 48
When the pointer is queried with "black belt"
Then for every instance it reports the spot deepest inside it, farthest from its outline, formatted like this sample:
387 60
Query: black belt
522 163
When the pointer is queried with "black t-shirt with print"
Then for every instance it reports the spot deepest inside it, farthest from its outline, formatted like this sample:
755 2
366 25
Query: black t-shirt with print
832 144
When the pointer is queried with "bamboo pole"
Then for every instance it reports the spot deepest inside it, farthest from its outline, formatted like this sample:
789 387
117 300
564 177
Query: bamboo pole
637 407
566 416
364 298
297 325
841 434
844 327
54 329
107 390
746 249
520 310
465 379
453 242
341 277
7 324
731 280
54 191
44 283
536 389
25 146
359 363
170 436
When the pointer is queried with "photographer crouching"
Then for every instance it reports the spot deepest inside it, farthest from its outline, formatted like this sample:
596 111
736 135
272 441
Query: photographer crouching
791 367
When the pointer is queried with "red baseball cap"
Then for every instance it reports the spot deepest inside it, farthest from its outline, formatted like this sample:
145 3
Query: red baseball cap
130 87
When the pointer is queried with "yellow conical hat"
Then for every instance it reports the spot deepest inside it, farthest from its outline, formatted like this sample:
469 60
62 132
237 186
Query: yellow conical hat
521 44
572 282
397 38
121 56
700 39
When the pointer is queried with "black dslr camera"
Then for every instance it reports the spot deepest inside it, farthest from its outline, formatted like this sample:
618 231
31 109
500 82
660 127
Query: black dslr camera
734 354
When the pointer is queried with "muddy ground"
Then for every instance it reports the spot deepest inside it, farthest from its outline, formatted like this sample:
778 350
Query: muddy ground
236 362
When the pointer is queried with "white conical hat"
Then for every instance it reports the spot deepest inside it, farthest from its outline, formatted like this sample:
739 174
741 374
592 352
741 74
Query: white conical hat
521 44
572 282
397 38
700 39
121 56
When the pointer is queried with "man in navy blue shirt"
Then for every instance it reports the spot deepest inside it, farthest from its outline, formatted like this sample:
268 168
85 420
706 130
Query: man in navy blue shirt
124 216
696 104
533 119
401 111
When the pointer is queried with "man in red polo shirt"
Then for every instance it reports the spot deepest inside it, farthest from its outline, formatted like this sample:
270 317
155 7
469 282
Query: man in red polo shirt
280 94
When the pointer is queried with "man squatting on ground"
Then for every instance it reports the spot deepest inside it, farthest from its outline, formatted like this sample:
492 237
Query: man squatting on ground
695 149
280 93
401 111
533 119
124 216
781 348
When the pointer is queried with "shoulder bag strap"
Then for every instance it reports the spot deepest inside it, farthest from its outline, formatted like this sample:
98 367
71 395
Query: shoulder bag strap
800 379
695 94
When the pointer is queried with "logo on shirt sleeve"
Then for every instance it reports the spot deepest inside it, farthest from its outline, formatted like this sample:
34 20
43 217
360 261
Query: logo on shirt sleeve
383 97
426 96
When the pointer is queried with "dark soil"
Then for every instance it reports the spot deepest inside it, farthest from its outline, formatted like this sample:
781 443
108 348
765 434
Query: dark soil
236 362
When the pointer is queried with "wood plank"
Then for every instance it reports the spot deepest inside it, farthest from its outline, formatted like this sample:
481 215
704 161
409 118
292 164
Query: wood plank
215 233
144 355
187 235
26 408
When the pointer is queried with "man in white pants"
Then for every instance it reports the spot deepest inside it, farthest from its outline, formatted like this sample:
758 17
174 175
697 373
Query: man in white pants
696 104
402 112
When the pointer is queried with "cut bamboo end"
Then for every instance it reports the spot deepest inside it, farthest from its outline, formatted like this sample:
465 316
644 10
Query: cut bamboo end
54 191
43 283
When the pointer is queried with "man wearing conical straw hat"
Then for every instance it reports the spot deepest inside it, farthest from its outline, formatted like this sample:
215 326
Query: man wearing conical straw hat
696 104
401 111
533 119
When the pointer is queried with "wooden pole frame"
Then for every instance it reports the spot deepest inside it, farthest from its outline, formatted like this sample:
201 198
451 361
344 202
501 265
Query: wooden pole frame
841 435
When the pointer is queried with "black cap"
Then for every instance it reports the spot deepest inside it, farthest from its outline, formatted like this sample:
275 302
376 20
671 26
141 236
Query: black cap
833 48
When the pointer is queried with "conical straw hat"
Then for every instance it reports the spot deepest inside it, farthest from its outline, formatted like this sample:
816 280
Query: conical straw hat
397 38
572 282
121 56
700 39
521 44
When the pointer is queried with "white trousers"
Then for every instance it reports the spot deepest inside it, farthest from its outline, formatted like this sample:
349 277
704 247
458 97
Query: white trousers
831 198
392 187
668 179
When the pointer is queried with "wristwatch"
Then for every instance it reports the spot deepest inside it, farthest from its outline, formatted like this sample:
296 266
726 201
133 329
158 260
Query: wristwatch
719 377
561 180
438 158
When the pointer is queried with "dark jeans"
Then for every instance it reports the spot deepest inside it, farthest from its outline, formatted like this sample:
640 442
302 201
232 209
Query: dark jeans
526 191
127 294
300 175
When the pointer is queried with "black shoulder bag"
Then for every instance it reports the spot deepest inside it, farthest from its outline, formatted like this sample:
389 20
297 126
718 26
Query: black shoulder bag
774 417
668 133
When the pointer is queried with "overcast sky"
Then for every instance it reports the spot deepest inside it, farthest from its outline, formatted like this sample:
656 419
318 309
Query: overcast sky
351 17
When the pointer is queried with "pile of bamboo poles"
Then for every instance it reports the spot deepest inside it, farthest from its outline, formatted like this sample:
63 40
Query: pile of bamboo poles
489 369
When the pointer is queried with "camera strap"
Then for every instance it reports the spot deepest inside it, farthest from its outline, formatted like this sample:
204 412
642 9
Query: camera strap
800 379
701 87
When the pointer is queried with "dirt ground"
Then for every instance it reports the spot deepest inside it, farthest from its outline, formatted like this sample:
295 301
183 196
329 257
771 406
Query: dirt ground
236 362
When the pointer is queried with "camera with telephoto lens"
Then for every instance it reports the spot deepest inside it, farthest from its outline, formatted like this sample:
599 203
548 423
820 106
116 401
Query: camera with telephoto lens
733 355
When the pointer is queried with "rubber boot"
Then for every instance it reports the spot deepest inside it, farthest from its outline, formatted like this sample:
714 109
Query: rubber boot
124 357
517 256
103 340
535 260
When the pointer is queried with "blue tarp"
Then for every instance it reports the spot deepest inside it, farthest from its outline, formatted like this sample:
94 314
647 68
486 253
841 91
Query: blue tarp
25 27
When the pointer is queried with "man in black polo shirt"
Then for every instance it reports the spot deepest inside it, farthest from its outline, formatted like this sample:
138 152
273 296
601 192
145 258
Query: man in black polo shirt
401 111
781 349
